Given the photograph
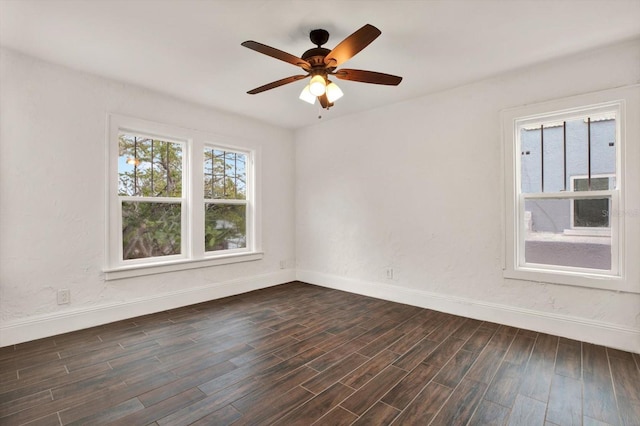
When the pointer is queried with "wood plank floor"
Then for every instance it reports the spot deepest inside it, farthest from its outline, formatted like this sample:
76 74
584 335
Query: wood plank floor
298 354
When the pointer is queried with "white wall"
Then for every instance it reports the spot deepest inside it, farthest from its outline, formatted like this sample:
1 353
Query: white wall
52 201
417 186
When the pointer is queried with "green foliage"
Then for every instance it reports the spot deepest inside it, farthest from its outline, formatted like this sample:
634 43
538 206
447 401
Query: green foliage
150 229
225 226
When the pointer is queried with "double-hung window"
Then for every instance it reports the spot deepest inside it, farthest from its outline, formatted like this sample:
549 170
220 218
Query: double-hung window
177 199
151 197
566 188
226 199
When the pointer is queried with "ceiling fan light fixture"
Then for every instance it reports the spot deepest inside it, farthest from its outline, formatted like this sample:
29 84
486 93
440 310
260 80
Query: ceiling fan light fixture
333 92
307 96
317 85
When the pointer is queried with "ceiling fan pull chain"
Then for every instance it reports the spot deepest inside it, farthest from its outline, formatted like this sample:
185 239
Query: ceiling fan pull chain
319 111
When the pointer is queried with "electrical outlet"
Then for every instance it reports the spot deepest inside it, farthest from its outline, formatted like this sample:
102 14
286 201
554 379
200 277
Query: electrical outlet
283 264
389 273
64 296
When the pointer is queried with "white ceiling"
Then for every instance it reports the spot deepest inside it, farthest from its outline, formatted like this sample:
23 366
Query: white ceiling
191 48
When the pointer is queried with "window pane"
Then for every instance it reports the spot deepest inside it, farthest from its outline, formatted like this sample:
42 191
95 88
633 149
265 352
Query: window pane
597 184
591 213
225 226
208 173
559 151
150 229
550 238
149 167
225 174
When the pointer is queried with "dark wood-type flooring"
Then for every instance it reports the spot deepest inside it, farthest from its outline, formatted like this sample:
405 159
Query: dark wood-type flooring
298 354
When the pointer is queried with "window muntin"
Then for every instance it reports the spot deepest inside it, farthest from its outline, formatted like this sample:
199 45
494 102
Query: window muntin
227 210
225 174
149 167
563 221
554 153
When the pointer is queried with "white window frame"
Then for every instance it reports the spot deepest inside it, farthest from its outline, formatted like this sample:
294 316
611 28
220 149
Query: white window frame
184 244
192 253
248 201
625 272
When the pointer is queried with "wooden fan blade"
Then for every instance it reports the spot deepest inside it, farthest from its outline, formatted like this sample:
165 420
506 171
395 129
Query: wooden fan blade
275 84
368 77
351 45
278 54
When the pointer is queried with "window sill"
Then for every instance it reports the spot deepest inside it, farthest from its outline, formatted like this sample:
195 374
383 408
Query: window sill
178 265
597 281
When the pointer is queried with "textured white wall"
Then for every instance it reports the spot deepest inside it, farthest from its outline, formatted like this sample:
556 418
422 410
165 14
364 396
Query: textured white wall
52 189
417 186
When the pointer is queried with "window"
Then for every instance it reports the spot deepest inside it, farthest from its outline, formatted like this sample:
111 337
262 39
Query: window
165 212
225 193
558 159
565 188
150 196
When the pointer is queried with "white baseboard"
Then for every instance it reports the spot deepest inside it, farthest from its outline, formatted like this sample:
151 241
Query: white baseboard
14 332
586 330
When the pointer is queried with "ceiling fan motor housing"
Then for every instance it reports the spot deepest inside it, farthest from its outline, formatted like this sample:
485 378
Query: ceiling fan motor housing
319 37
315 56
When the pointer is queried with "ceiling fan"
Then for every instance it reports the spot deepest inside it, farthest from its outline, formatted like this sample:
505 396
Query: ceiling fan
320 63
